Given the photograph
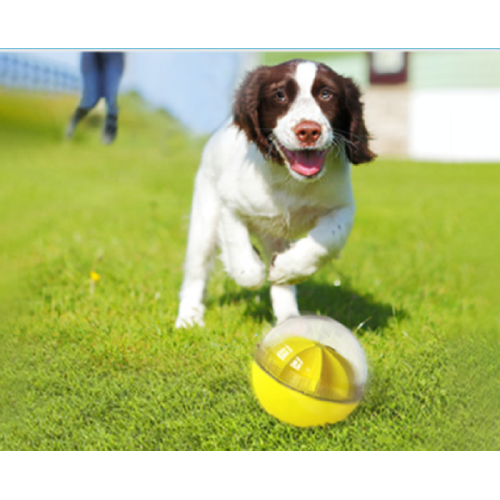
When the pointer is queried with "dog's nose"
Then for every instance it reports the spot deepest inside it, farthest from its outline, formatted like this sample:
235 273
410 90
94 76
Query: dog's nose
308 132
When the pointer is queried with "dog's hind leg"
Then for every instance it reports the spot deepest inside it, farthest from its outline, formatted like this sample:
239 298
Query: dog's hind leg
200 249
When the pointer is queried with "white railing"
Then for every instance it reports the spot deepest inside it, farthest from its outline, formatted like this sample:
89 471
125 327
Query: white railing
20 71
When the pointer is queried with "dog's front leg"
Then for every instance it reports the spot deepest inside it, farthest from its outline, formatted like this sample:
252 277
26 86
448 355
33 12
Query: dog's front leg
240 259
308 254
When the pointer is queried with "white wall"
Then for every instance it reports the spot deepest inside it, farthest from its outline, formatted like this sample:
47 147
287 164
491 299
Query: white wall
454 125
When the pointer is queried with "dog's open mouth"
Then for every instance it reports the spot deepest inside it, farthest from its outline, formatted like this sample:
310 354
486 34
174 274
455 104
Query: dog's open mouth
306 162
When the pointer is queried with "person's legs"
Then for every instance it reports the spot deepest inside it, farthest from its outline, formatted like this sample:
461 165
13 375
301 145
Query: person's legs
90 67
113 64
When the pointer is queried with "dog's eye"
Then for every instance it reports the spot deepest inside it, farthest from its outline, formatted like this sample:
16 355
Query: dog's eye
280 96
326 94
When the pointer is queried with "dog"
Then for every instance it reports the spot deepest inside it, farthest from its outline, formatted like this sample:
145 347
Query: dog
278 170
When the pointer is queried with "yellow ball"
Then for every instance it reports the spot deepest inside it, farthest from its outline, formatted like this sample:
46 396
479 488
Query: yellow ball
309 371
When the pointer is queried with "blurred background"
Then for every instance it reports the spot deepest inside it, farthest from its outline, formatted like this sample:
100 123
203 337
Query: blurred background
423 105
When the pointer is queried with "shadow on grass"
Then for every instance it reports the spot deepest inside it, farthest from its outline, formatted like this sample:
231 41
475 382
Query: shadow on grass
343 303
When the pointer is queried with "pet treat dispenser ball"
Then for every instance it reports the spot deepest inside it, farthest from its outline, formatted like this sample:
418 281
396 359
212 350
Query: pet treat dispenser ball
309 371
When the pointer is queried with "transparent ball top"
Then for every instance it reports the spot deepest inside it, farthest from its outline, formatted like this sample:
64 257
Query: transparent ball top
315 355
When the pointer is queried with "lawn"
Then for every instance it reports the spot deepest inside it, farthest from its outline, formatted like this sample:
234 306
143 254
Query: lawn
101 366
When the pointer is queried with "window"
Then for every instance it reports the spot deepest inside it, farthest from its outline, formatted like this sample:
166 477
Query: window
388 67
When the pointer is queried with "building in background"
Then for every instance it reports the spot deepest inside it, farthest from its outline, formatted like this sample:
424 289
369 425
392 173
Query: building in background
424 105
435 105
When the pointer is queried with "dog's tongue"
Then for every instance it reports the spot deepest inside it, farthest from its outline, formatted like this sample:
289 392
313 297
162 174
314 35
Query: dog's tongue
305 162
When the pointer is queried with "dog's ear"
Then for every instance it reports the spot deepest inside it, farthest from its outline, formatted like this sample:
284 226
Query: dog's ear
357 147
246 106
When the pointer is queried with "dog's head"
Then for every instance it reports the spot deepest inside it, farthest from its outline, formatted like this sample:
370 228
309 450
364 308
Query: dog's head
298 111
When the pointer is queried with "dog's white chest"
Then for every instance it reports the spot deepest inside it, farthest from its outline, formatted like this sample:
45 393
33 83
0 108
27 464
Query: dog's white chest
286 224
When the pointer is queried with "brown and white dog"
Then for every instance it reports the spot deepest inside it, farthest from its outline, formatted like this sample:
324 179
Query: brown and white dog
280 170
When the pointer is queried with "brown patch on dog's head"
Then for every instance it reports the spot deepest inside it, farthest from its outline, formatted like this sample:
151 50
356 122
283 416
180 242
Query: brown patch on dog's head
266 94
340 100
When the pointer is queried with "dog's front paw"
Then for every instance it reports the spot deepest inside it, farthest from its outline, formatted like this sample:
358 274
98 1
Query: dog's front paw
287 269
249 274
190 315
251 278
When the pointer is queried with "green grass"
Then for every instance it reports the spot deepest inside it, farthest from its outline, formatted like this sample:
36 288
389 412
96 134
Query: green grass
107 370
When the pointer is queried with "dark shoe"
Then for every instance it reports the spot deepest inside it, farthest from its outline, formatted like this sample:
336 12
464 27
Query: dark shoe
110 129
77 116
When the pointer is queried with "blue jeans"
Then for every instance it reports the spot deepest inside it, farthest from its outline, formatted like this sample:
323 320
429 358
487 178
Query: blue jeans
101 72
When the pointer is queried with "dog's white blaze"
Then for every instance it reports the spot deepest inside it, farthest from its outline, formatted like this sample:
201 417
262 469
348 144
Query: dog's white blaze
304 108
305 75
